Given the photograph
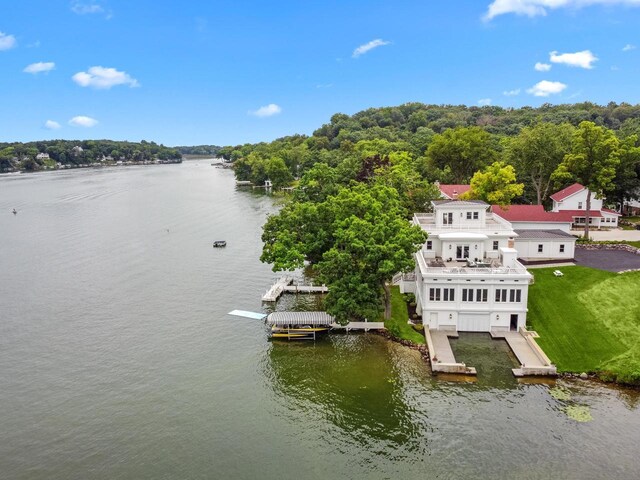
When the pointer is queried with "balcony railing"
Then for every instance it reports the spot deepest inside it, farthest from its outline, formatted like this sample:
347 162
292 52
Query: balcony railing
492 222
519 269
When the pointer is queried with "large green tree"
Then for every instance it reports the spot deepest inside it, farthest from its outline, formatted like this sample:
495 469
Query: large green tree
536 153
496 184
356 240
592 162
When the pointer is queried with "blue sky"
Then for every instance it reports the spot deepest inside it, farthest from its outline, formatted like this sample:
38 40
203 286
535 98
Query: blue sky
186 73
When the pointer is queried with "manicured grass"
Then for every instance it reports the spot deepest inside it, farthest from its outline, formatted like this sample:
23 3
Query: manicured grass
397 325
588 320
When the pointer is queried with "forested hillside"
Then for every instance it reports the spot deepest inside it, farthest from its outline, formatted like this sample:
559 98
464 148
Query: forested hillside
52 154
199 150
449 144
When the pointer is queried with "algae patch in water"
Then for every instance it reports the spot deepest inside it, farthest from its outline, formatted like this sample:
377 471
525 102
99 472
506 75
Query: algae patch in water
560 393
579 413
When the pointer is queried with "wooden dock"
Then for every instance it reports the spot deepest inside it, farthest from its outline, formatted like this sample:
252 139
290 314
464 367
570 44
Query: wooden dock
285 284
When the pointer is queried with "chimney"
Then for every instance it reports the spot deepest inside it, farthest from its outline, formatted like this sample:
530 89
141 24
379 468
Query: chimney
455 195
511 243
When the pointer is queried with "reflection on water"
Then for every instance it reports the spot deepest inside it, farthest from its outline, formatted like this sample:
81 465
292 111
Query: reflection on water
358 390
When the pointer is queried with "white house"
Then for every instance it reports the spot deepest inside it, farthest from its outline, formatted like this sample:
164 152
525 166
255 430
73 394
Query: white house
467 275
532 217
572 202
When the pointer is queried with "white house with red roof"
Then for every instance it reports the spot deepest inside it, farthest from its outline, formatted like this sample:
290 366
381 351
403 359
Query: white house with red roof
572 203
542 237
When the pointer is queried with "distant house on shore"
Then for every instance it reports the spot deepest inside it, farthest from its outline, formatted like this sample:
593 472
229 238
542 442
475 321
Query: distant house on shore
42 156
572 203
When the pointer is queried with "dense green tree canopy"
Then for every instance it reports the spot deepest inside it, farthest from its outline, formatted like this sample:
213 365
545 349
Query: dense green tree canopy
496 185
593 160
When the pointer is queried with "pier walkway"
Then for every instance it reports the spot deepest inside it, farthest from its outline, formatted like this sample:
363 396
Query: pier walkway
533 360
440 353
285 284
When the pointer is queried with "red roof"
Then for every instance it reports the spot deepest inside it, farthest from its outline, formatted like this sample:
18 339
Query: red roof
569 215
567 192
612 212
528 213
449 190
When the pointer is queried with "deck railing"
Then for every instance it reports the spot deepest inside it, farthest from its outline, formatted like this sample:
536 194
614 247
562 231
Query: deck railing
492 222
519 269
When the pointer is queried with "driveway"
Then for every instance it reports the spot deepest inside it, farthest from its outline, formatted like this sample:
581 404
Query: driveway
616 234
610 260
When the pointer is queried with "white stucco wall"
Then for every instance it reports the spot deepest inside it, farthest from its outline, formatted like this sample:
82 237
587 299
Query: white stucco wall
528 249
573 202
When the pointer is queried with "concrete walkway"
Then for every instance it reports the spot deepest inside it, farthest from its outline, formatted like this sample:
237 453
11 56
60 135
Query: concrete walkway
533 361
440 353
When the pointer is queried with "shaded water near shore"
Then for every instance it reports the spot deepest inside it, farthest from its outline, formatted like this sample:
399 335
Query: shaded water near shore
118 359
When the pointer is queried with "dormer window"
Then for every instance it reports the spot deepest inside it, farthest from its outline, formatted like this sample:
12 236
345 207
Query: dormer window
475 215
468 215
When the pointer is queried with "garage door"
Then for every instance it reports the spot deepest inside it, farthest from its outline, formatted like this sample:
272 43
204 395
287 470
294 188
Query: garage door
474 322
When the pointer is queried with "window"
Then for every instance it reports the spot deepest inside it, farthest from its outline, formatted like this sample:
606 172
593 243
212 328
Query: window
579 205
467 294
540 247
515 295
496 244
429 244
468 215
501 294
434 294
562 248
449 294
481 294
475 215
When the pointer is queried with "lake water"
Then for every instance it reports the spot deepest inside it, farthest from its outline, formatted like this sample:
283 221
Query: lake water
118 359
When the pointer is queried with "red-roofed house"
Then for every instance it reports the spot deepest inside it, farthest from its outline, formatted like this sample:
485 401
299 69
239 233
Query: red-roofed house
572 202
452 192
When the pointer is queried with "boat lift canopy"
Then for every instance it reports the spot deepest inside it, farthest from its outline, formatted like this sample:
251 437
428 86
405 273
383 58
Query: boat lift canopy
300 318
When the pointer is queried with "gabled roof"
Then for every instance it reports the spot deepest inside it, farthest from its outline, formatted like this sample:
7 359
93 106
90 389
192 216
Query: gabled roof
462 203
567 192
528 213
453 191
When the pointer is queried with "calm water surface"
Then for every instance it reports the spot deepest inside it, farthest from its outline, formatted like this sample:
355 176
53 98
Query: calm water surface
118 359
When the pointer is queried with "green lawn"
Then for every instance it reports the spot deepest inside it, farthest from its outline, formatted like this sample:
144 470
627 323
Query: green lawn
397 325
588 320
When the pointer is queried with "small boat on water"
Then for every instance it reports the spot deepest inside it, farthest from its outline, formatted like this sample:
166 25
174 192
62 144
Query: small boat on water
219 243
297 332
15 212
298 325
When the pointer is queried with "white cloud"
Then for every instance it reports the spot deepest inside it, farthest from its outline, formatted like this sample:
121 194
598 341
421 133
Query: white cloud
39 67
483 102
511 93
103 78
86 8
266 111
362 49
542 67
82 121
532 8
7 41
583 59
324 85
51 125
628 47
546 88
